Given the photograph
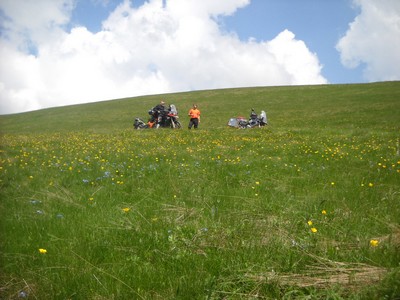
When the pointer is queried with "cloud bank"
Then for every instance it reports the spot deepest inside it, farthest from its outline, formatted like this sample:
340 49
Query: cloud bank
159 47
373 40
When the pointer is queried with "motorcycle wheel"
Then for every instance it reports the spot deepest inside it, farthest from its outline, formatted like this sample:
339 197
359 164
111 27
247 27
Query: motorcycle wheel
178 125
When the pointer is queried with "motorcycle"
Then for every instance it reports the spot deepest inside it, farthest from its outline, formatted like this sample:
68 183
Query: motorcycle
167 118
140 124
253 121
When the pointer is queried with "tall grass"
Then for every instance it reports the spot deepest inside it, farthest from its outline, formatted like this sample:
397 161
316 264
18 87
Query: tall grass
307 207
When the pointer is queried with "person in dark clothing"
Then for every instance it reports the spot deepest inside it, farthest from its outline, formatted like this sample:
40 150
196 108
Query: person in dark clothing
160 107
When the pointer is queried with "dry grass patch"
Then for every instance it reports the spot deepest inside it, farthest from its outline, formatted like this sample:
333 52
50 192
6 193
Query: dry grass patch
326 275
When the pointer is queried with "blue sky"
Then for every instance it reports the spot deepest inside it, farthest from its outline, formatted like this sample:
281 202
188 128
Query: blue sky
61 52
320 24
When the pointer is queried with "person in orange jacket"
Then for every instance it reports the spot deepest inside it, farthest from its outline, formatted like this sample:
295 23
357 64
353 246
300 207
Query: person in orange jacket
194 114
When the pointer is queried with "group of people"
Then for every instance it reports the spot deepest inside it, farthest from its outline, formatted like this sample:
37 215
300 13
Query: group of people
194 114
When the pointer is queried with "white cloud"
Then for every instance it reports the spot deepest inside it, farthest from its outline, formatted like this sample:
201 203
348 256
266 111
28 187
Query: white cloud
373 39
159 47
32 21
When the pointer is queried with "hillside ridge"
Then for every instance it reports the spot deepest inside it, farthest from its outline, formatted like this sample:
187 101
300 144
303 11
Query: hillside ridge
282 103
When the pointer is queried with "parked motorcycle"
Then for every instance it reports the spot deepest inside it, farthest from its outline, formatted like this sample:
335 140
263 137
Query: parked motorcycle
253 121
167 118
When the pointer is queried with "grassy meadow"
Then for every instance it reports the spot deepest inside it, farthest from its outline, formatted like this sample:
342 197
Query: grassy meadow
307 207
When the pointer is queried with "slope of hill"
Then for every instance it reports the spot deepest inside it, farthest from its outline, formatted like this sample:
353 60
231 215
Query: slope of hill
304 208
288 108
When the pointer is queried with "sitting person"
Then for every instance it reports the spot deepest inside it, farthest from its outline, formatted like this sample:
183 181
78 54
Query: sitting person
160 107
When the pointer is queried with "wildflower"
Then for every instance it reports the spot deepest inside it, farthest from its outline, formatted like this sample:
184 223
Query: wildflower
332 183
22 294
314 230
170 236
42 251
374 243
370 184
257 182
126 209
309 222
323 212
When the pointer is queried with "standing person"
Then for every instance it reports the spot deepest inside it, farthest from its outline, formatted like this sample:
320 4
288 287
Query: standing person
158 112
194 115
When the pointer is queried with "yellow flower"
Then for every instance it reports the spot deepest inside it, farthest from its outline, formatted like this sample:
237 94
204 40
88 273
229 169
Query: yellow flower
314 230
323 212
332 183
370 184
309 222
374 243
42 251
126 209
257 182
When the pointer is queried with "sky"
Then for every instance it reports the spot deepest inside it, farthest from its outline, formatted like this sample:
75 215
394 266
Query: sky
64 52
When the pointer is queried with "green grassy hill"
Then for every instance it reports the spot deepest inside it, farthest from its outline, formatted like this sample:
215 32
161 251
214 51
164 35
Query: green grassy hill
347 107
304 208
